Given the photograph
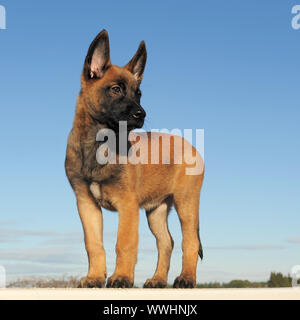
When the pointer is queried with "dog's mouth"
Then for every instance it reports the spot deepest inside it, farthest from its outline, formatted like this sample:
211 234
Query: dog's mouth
137 125
120 124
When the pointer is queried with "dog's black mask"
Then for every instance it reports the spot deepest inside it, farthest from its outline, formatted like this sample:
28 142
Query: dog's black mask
120 103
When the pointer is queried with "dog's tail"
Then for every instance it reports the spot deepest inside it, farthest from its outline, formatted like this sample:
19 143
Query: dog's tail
200 252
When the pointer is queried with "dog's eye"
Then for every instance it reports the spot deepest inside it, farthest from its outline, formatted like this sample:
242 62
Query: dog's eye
116 89
139 92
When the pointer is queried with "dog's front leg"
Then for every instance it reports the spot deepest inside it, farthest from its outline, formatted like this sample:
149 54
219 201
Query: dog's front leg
92 222
127 244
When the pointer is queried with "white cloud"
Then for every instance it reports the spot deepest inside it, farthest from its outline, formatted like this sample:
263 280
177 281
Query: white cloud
41 255
247 247
294 240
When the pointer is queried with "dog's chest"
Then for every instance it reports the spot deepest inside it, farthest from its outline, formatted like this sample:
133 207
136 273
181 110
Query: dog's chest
92 170
95 190
102 198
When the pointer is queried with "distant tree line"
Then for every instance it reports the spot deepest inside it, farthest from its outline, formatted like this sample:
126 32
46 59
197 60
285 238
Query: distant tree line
276 280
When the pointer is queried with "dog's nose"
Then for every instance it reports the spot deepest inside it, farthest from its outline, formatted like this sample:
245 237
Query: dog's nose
140 114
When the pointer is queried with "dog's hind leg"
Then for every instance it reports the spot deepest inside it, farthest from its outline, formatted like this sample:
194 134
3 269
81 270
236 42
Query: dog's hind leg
187 207
157 220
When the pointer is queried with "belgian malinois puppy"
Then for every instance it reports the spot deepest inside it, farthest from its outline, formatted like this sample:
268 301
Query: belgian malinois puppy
111 94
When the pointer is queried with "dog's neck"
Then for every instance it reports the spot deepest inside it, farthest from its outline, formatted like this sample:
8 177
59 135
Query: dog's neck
87 127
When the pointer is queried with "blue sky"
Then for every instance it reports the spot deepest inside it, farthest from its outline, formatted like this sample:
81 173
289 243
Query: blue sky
228 67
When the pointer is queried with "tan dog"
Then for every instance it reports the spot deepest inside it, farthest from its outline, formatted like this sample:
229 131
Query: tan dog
111 94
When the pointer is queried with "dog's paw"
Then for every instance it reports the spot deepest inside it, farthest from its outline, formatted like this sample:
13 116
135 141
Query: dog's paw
184 282
119 282
88 282
155 283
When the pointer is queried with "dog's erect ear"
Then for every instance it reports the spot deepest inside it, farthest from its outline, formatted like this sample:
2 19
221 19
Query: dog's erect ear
97 60
137 64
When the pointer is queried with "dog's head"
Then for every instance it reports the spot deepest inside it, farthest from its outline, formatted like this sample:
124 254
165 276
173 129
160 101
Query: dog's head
112 93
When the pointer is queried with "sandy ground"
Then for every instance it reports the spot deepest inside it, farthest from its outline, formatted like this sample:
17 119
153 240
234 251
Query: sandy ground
148 294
